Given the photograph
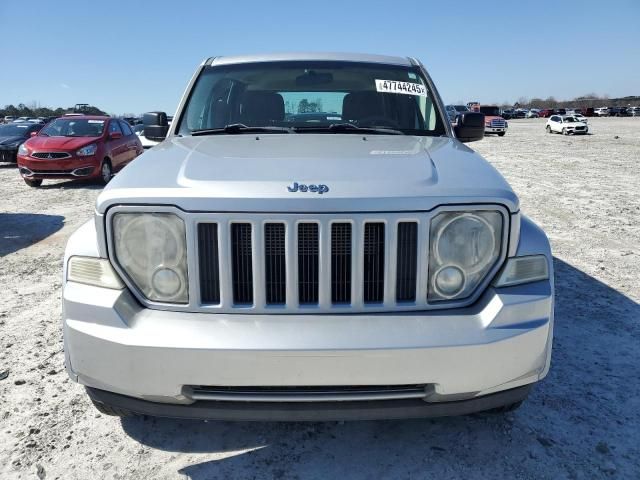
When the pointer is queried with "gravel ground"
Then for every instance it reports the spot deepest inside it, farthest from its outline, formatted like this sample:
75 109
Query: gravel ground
582 422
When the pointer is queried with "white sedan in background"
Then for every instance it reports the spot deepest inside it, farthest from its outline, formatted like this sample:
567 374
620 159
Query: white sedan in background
146 143
566 124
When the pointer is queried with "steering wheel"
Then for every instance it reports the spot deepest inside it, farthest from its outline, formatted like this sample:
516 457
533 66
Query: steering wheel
378 121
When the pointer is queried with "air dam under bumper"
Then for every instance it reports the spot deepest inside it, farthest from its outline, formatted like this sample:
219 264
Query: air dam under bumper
309 412
500 343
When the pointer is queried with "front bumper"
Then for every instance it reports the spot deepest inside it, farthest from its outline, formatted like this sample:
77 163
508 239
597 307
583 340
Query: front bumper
495 129
8 154
501 342
315 412
74 167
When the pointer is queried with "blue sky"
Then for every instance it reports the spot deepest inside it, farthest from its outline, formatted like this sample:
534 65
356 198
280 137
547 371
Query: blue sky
135 56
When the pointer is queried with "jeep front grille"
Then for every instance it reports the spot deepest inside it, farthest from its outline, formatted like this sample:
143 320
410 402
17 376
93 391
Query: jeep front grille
306 263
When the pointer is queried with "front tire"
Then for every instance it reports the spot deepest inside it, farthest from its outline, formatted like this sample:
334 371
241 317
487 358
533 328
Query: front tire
33 182
111 411
106 172
506 408
501 134
565 132
548 129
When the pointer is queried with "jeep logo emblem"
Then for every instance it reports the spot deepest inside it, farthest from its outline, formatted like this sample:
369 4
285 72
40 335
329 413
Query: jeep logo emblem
301 187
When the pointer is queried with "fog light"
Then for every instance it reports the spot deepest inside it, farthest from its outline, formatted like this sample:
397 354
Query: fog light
166 282
449 281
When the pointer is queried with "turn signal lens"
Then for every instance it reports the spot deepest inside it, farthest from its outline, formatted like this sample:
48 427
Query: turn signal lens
93 271
520 270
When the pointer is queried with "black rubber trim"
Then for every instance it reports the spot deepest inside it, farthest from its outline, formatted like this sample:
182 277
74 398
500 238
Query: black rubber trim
303 411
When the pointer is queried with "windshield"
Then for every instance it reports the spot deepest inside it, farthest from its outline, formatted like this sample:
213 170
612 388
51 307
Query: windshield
570 119
74 127
494 111
461 108
311 96
14 130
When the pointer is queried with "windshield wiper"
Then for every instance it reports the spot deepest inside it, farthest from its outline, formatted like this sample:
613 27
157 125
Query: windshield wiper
348 128
239 128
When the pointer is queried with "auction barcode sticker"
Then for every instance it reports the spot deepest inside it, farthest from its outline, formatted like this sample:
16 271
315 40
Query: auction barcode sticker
406 88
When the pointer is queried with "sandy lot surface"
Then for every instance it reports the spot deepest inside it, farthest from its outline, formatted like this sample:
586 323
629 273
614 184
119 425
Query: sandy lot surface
582 422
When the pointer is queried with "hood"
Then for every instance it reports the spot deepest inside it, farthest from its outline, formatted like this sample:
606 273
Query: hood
40 142
250 173
9 140
488 118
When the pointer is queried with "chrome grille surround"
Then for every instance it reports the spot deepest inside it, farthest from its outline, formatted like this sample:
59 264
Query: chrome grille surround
498 123
50 155
324 305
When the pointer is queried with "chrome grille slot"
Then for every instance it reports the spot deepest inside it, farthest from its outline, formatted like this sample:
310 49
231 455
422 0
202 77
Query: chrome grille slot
275 264
373 282
341 263
407 262
208 260
241 258
308 263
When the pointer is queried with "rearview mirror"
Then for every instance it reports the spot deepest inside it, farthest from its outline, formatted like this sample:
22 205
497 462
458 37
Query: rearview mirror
156 126
469 127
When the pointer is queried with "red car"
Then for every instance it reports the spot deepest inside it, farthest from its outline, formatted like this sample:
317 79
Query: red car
545 113
91 147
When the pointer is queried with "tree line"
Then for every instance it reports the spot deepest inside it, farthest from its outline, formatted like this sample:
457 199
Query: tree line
584 101
35 110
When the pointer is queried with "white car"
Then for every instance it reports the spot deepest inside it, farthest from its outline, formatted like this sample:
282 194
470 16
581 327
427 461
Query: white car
601 112
566 124
146 143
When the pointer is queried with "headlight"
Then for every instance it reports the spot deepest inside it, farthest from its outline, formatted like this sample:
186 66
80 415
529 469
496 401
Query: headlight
151 249
22 150
464 246
88 150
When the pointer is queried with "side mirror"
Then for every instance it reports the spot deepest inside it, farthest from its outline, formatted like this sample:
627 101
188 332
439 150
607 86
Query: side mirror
469 127
156 126
115 135
33 134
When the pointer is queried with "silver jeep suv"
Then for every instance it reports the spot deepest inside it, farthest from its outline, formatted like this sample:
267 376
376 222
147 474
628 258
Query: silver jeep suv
311 241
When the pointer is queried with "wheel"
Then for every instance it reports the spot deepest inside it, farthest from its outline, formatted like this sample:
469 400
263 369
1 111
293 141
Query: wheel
33 182
105 172
111 411
565 132
548 129
501 134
